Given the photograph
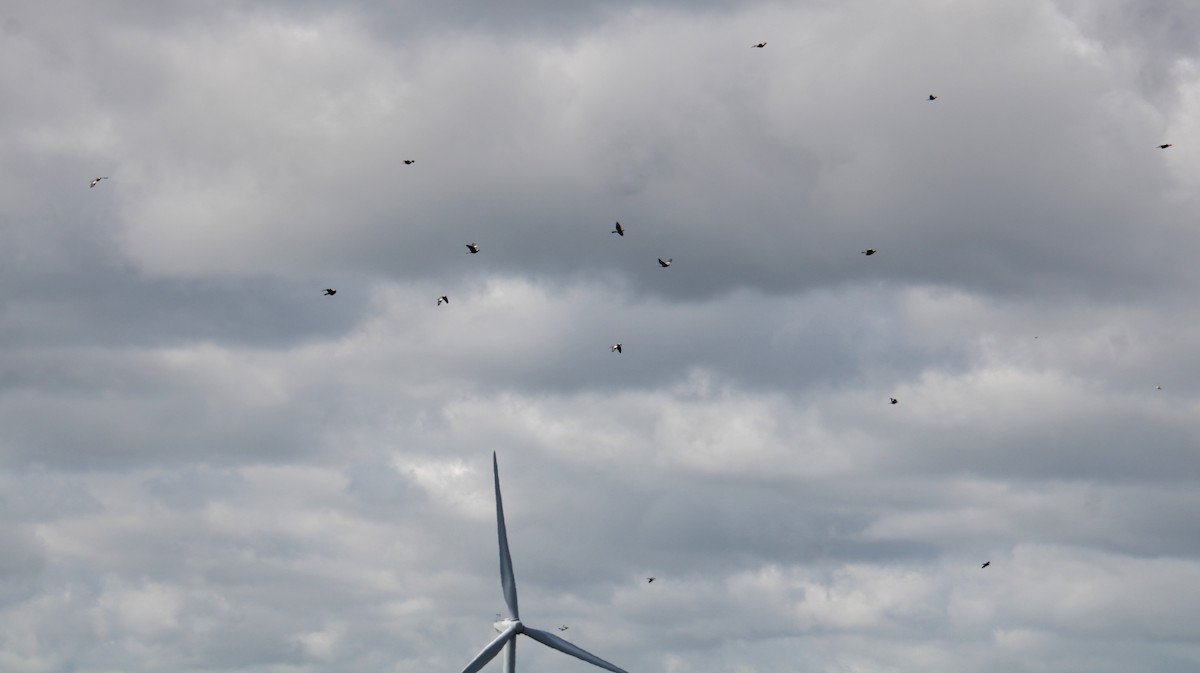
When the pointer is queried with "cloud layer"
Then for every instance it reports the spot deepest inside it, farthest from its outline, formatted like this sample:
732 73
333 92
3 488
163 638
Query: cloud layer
207 465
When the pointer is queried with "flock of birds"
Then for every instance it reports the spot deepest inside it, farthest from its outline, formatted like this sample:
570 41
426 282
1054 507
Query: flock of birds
619 230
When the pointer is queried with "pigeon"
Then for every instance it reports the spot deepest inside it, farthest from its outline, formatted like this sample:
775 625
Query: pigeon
443 299
760 45
932 97
96 181
650 579
409 162
985 564
1161 147
664 263
563 627
472 248
615 348
869 251
619 231
894 400
1158 387
329 292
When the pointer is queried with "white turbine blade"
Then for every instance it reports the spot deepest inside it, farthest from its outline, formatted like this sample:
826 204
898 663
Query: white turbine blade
490 651
510 656
563 646
507 581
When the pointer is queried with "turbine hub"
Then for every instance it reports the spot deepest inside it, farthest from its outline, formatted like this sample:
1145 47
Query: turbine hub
505 624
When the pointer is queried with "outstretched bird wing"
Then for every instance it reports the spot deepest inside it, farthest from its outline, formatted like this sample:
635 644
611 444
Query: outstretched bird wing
551 640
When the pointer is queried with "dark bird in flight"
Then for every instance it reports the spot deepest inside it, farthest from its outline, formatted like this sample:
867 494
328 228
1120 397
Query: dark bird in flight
650 579
619 231
442 299
932 97
985 564
664 263
329 292
472 248
615 348
96 181
894 400
869 251
563 627
760 45
409 162
1161 147
1158 387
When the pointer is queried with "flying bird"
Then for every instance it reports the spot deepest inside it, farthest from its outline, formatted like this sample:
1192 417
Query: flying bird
619 231
96 181
442 299
664 263
760 45
932 97
472 248
650 579
985 564
329 292
563 627
1158 387
1161 147
615 348
894 400
409 162
869 251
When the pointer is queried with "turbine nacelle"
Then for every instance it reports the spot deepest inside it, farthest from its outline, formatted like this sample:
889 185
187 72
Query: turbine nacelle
506 624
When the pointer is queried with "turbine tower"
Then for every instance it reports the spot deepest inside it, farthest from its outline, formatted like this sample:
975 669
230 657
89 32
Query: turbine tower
510 627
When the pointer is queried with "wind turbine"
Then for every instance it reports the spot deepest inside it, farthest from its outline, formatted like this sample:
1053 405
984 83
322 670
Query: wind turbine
511 626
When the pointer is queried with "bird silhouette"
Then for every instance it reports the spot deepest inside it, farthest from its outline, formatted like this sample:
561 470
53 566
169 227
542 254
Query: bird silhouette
894 400
96 181
615 348
664 263
1163 147
869 251
619 231
760 45
442 299
650 579
409 162
563 627
932 97
329 292
985 564
472 248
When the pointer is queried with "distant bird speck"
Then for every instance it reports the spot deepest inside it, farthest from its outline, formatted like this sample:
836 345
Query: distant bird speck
650 579
619 231
894 400
1163 147
96 181
472 248
329 292
869 251
985 564
615 348
1158 387
443 299
409 162
932 97
760 45
664 263
563 627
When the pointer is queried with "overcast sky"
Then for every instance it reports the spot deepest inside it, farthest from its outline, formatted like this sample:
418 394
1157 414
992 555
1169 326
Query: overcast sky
207 466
